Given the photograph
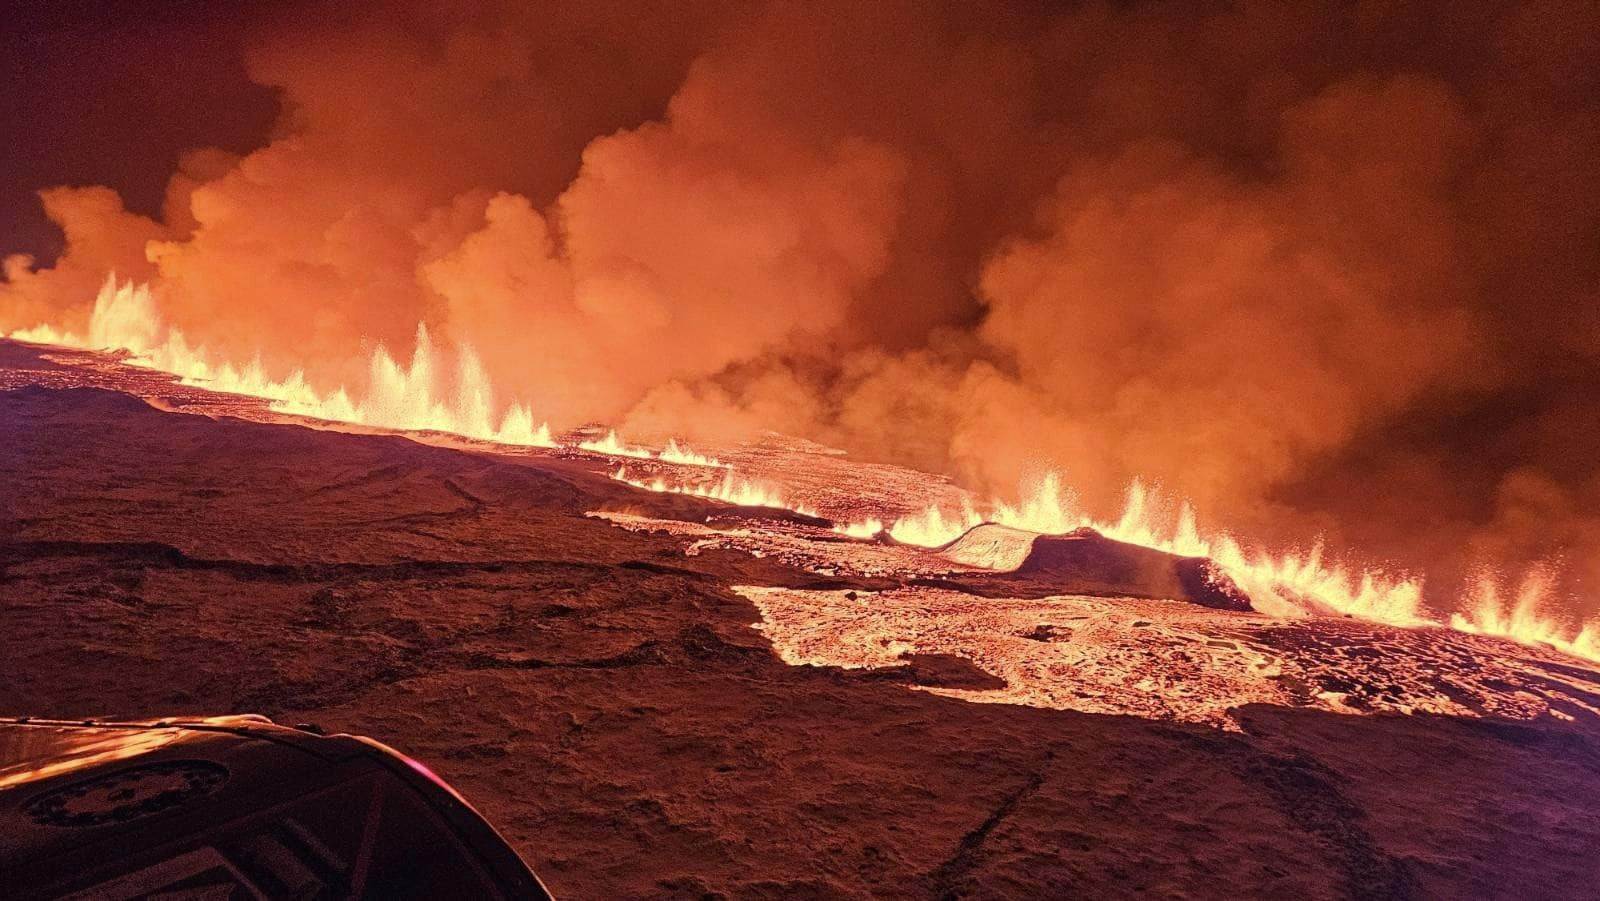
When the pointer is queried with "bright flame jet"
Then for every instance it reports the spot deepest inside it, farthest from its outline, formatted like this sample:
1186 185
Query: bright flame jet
407 396
399 396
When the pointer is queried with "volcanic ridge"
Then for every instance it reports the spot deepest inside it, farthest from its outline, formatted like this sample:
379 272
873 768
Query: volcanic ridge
661 695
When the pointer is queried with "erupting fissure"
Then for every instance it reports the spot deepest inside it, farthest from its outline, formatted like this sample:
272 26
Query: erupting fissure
730 489
398 396
1279 585
1526 618
672 453
411 397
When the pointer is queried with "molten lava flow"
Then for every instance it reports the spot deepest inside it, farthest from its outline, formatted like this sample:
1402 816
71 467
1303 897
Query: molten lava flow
428 394
730 489
676 453
866 528
1526 619
398 396
613 446
44 334
1284 584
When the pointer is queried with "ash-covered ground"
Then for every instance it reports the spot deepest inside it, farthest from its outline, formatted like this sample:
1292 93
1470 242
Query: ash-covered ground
657 696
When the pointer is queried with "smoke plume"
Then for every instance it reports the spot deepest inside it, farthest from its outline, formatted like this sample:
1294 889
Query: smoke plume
1322 268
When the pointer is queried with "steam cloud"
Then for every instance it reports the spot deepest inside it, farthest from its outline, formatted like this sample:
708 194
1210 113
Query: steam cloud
1319 267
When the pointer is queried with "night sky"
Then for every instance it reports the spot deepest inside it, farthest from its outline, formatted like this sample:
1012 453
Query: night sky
112 93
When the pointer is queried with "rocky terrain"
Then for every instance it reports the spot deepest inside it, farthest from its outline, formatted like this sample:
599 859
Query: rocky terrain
659 696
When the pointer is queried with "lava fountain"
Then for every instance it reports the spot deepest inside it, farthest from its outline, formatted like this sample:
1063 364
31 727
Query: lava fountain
428 394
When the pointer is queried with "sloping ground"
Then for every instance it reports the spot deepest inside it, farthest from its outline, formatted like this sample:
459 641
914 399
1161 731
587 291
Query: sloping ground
602 697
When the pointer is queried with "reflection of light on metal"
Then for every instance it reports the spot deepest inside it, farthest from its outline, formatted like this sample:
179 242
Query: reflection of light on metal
76 749
422 768
416 765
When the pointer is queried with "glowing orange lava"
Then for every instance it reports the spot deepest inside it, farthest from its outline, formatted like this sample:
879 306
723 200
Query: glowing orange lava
1526 618
1281 585
730 489
398 396
613 446
428 395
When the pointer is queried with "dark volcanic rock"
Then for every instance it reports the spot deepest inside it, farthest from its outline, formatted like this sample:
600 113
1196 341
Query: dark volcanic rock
941 671
1086 556
1206 584
631 734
